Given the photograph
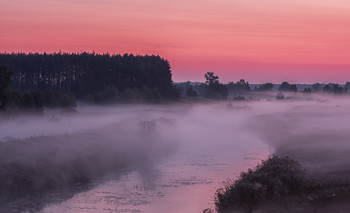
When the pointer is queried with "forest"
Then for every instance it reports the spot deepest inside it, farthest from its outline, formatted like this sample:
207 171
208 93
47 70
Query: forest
240 90
59 78
32 81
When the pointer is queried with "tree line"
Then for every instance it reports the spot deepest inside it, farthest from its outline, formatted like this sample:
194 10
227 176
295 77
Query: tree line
29 101
34 80
214 89
91 76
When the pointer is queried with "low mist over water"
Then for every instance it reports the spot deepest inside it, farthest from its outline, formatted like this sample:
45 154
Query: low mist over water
162 158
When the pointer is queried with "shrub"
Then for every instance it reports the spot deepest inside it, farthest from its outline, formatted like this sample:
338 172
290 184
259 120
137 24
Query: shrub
274 177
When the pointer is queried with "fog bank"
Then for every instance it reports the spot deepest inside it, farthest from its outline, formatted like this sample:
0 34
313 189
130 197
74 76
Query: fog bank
58 150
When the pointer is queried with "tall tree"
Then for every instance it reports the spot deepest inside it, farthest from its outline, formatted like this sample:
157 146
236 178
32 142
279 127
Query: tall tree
238 87
210 78
347 86
265 87
5 79
286 87
216 89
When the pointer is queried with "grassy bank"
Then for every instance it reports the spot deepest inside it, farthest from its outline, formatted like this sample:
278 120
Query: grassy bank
281 184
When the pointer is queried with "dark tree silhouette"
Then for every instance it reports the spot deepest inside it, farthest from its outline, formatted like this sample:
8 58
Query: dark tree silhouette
5 79
347 87
265 87
337 89
286 87
333 88
190 92
327 88
316 87
215 90
307 90
238 87
87 75
210 78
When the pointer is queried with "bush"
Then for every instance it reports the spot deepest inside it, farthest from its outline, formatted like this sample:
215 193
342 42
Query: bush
274 177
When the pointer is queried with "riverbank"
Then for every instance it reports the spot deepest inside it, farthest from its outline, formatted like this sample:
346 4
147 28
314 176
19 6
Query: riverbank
282 184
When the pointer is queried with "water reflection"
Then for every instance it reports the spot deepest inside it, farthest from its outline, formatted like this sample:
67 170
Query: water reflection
177 169
185 182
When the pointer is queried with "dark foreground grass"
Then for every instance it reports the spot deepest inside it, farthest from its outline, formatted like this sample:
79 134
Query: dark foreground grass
271 183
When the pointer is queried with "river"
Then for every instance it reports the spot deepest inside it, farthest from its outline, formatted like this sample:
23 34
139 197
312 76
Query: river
205 144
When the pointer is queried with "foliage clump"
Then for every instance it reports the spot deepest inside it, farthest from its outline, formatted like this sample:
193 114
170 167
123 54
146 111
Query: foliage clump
274 177
215 89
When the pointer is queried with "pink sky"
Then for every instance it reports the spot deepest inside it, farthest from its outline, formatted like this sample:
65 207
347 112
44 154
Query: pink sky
259 40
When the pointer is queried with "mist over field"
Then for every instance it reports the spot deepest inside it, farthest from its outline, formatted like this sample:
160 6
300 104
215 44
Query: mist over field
56 151
174 106
316 132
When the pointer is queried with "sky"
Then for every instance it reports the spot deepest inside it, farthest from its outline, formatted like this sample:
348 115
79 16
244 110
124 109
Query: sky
300 41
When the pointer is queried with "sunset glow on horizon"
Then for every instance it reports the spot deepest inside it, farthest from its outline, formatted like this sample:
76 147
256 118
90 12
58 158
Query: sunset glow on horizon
304 41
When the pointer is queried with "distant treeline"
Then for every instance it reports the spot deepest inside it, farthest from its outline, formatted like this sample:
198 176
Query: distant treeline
33 81
213 89
29 101
90 75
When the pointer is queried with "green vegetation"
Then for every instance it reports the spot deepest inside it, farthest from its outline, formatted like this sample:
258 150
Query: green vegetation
5 79
242 90
286 87
29 101
30 82
214 89
190 92
99 78
238 87
265 87
275 178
